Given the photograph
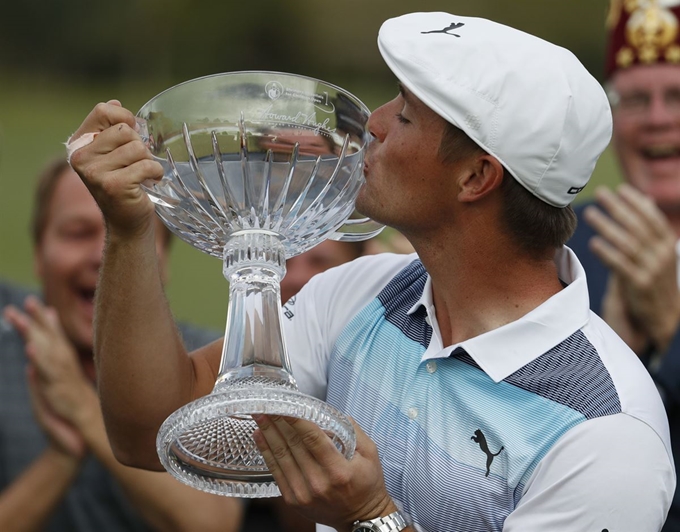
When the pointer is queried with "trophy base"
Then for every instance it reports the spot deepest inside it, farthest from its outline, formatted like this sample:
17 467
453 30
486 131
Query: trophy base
208 443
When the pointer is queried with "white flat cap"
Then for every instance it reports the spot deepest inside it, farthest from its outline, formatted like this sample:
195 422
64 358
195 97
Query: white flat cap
529 103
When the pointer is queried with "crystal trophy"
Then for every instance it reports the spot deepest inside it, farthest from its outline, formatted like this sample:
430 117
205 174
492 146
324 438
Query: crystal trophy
259 167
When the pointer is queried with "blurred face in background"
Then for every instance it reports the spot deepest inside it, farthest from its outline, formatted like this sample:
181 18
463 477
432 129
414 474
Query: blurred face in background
646 133
320 258
68 255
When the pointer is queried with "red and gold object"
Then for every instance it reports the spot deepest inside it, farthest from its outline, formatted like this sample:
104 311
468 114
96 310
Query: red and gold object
642 32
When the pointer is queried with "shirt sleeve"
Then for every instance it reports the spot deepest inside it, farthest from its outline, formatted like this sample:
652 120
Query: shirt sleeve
611 473
313 319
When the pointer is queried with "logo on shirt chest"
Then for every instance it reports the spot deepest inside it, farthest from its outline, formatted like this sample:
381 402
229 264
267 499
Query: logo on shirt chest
480 439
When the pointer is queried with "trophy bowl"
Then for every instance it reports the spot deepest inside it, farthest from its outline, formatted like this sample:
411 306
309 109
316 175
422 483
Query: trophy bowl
259 167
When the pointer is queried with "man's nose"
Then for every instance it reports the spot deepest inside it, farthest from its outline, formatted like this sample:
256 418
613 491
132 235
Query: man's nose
660 113
376 123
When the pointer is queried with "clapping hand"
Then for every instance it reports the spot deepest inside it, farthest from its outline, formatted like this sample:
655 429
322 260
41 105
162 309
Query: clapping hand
63 399
636 242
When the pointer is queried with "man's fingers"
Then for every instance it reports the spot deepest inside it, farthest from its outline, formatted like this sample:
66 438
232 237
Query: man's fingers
36 321
41 366
645 206
115 136
57 428
621 212
34 380
637 242
133 152
139 172
613 257
114 165
41 315
634 254
635 213
103 116
286 492
307 436
17 319
30 330
303 454
278 446
271 445
615 235
117 149
309 445
293 438
120 139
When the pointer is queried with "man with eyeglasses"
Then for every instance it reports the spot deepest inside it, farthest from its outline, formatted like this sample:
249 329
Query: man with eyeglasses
628 241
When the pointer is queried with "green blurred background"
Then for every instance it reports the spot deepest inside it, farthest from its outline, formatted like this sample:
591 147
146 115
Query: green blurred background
58 58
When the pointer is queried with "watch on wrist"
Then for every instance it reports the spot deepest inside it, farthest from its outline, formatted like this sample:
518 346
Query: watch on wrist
390 523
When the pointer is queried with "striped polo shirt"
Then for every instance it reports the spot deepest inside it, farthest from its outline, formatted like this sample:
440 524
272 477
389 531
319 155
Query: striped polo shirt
548 423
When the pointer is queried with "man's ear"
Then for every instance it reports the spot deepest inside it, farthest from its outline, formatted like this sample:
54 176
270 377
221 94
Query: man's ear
485 174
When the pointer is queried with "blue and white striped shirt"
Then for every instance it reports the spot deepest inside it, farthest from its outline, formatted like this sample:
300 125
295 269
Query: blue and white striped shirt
510 430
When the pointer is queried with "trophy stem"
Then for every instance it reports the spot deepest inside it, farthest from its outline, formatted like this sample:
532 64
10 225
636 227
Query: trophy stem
254 351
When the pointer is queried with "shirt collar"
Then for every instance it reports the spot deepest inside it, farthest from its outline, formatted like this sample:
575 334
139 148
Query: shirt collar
503 351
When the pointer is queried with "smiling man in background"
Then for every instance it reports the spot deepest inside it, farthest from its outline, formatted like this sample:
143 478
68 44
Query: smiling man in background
628 241
57 470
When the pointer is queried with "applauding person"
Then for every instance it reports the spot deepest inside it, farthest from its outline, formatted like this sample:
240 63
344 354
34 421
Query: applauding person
57 470
627 240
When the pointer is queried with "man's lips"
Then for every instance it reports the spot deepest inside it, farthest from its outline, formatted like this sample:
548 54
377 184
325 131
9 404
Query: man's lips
660 152
85 297
366 167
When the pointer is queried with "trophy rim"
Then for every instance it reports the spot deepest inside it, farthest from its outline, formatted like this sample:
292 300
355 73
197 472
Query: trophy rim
218 86
244 72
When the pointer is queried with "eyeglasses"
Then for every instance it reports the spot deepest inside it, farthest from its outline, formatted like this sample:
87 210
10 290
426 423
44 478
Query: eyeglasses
638 103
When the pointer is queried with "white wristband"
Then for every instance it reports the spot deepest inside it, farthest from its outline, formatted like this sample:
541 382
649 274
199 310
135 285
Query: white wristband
80 142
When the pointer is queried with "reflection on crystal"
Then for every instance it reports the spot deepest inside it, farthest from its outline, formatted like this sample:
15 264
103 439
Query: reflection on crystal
308 195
